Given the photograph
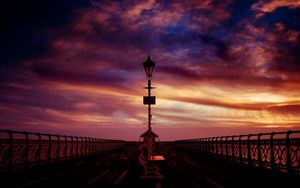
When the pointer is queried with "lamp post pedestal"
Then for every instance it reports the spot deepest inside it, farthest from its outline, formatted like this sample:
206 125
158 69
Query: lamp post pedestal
149 143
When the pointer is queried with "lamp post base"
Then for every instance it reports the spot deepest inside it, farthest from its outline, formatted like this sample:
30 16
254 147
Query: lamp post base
151 167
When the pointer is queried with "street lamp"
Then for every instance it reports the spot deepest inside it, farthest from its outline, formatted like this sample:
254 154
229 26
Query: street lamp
149 136
148 100
147 159
149 67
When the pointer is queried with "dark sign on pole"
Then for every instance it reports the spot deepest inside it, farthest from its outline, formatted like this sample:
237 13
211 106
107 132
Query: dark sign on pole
149 100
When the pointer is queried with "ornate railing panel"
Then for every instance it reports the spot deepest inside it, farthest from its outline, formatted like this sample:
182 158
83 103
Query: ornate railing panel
276 150
24 149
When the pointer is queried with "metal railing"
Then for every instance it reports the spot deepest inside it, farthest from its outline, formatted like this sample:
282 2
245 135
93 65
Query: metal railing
23 149
278 151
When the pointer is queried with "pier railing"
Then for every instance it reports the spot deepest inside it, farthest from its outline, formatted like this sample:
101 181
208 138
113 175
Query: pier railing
23 149
277 150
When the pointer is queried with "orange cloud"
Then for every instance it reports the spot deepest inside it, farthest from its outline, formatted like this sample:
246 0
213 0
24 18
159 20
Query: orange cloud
270 6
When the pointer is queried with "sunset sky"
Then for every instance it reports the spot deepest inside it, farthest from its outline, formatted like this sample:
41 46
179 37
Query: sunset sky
222 67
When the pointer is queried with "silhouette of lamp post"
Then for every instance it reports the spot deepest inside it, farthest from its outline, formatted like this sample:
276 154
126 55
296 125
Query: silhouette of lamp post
149 136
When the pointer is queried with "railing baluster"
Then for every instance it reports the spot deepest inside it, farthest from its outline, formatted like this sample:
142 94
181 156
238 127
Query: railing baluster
226 145
249 150
58 148
26 148
10 150
207 145
199 145
86 145
260 164
232 148
288 153
39 148
272 155
49 148
93 146
98 145
81 146
71 149
221 145
65 147
216 146
77 143
212 149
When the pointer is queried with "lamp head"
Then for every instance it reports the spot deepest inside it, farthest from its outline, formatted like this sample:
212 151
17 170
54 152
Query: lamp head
149 67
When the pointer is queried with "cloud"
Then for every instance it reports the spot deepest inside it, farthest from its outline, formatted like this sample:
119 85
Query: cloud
270 6
293 109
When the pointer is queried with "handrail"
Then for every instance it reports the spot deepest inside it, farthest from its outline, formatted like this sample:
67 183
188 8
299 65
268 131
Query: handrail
16 152
280 154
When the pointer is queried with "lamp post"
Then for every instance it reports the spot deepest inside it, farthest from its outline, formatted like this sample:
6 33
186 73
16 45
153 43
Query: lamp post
149 136
149 67
146 158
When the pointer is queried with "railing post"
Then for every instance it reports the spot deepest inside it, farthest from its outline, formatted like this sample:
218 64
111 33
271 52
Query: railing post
77 143
226 145
232 148
66 147
106 145
39 149
26 149
192 145
86 145
90 146
82 146
240 149
10 150
288 153
49 148
101 145
98 145
259 151
272 155
249 150
58 148
212 150
94 146
216 146
204 145
221 145
208 145
71 149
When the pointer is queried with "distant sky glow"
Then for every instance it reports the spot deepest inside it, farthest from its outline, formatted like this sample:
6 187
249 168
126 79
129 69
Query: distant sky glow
222 67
